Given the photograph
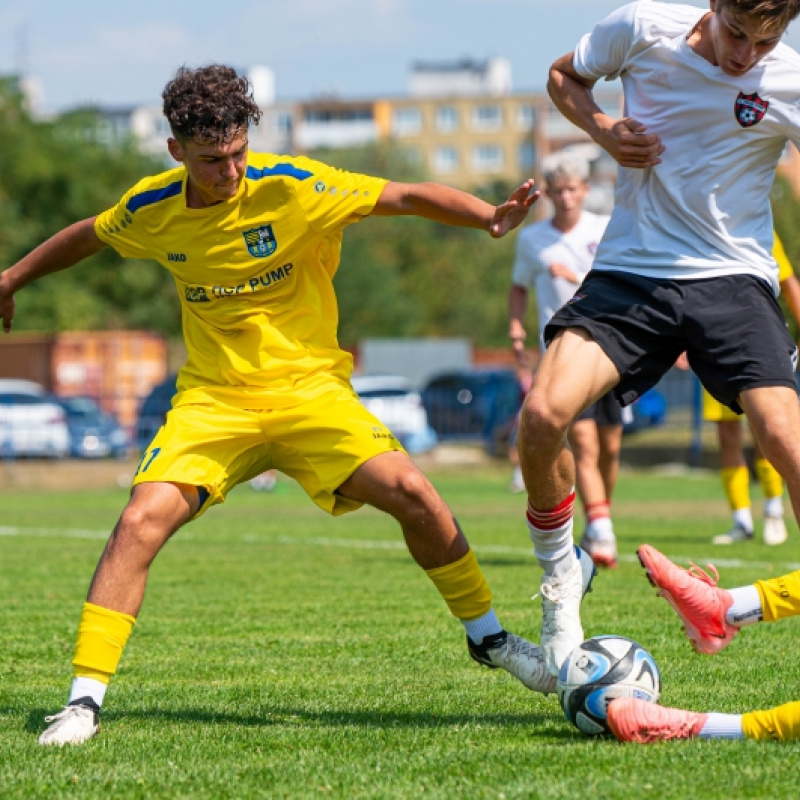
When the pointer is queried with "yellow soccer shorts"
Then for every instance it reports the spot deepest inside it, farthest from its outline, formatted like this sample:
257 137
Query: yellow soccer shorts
319 443
714 411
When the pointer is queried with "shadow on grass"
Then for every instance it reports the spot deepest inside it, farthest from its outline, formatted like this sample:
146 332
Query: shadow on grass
282 715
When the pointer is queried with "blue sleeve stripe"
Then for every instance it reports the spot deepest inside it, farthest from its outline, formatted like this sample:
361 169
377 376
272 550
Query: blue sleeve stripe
153 196
289 170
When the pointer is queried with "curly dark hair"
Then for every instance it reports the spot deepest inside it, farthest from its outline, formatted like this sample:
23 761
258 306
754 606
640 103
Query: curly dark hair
209 104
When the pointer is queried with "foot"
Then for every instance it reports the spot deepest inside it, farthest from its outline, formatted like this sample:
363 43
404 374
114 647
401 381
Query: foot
75 724
694 594
523 659
633 720
588 569
735 535
561 618
602 551
775 530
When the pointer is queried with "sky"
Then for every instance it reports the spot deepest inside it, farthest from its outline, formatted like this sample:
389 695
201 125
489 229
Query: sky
93 51
88 51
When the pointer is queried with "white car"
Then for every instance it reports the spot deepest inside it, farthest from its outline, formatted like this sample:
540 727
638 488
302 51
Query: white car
392 400
31 423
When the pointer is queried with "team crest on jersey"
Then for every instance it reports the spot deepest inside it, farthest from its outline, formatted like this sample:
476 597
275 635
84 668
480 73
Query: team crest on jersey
260 241
750 109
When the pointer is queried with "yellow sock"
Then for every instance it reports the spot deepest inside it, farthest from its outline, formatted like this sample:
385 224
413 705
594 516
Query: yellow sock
781 723
463 587
780 597
736 482
102 634
769 478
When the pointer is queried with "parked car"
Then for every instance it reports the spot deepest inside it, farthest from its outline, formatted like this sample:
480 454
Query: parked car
478 404
154 410
391 399
93 433
32 424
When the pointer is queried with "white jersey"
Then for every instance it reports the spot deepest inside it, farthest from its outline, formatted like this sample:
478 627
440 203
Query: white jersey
540 245
704 211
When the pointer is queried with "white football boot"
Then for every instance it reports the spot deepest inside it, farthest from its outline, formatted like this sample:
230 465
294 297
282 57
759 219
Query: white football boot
775 530
561 615
523 659
75 724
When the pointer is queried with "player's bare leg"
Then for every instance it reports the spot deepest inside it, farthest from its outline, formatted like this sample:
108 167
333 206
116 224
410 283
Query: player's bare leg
573 373
774 416
392 483
154 512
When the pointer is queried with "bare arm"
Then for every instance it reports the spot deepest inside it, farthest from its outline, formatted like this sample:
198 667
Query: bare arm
791 291
517 306
60 251
453 207
625 140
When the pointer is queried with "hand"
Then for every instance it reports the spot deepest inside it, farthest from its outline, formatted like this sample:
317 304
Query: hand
512 213
559 270
629 144
7 307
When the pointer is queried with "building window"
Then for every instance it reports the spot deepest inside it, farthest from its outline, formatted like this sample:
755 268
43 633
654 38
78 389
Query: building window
445 159
446 119
406 121
526 117
487 158
526 155
487 118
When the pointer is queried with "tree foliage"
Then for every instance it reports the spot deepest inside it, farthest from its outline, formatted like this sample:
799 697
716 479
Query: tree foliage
54 173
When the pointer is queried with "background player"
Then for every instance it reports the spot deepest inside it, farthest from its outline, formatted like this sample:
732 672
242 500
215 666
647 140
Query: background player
253 244
711 618
685 263
552 258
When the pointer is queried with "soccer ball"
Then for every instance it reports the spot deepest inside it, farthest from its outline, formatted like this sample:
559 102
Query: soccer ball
600 670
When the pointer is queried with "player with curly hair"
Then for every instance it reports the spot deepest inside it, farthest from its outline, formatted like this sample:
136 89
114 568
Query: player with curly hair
253 241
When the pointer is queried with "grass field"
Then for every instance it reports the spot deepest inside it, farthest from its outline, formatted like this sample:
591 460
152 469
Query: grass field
282 653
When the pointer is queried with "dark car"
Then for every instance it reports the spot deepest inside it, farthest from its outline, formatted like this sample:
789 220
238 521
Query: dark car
154 410
93 433
473 404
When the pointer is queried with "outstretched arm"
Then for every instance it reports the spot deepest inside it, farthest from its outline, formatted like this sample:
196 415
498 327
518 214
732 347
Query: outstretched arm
453 207
626 140
61 251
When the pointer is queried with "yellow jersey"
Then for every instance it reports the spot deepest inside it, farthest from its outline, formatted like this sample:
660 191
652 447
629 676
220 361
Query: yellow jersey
779 254
254 275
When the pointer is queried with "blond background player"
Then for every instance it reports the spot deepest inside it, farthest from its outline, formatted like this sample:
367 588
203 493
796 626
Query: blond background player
253 243
712 617
734 470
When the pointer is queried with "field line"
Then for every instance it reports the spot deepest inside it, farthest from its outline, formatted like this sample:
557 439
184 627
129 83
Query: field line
375 544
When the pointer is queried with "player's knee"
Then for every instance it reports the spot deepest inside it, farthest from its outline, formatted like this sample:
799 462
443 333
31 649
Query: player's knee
140 529
541 421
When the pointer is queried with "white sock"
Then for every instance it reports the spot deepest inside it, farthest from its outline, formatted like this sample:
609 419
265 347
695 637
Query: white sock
600 530
773 507
478 629
88 687
743 517
746 607
552 542
722 726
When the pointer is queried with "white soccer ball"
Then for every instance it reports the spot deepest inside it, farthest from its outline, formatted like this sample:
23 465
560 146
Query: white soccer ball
598 671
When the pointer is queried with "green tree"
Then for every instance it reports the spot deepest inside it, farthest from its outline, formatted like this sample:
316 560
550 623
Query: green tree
54 173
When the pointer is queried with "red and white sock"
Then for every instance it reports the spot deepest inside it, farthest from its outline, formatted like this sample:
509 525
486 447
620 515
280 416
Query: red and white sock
598 521
551 534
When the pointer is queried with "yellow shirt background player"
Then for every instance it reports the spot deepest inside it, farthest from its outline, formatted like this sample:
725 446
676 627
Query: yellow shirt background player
253 242
734 471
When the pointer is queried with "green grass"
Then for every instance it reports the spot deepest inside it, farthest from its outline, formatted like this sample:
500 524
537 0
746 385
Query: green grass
282 653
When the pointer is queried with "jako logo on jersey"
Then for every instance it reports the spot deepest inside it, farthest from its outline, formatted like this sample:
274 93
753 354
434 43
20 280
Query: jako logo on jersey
749 109
260 241
176 257
196 294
